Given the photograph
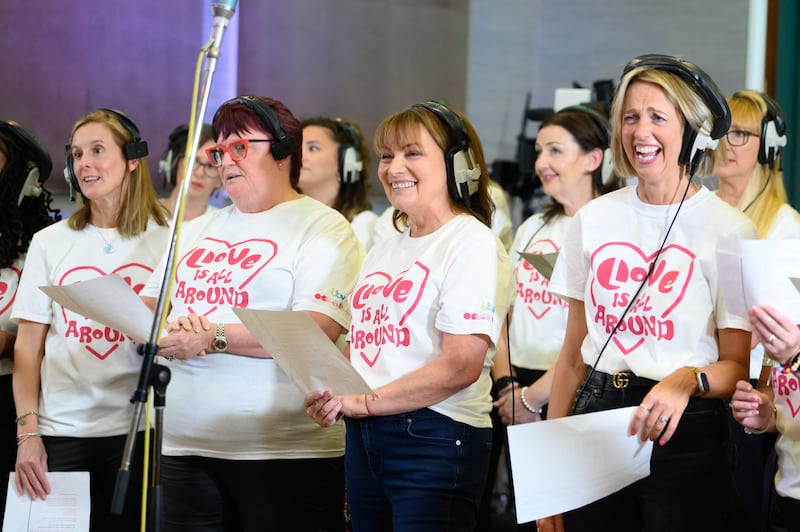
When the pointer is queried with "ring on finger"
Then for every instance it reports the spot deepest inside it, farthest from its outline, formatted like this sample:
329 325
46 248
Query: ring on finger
771 338
663 419
647 408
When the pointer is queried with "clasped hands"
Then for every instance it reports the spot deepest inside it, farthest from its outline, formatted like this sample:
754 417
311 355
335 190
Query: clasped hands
187 337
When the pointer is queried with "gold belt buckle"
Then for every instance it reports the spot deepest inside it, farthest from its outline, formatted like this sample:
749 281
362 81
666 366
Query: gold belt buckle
620 380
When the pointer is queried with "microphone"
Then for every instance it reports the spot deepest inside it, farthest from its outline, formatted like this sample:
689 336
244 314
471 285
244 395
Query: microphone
222 11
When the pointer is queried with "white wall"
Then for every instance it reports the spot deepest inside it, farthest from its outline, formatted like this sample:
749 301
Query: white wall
518 46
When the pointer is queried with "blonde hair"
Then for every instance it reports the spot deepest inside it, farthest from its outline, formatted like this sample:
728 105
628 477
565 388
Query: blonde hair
764 193
139 202
683 97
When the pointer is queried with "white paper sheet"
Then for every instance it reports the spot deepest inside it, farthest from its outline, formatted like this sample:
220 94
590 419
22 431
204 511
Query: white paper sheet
563 464
65 509
303 351
758 272
108 300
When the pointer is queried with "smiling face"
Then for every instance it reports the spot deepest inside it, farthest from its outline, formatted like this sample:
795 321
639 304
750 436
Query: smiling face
414 175
98 162
562 166
652 133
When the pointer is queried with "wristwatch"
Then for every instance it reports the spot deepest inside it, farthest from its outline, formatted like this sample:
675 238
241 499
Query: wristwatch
702 380
220 342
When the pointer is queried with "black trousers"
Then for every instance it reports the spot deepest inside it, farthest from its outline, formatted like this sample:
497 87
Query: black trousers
102 458
215 495
690 487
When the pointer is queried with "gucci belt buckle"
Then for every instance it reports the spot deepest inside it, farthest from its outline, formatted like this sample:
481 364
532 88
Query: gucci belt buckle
620 380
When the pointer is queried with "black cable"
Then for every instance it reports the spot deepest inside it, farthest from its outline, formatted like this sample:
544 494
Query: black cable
635 295
769 176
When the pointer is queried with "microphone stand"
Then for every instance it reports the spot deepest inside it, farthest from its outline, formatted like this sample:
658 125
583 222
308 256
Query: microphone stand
152 374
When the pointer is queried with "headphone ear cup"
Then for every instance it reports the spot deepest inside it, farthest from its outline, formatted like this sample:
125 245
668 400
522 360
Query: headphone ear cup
773 132
607 167
165 169
71 178
463 173
283 148
31 187
350 165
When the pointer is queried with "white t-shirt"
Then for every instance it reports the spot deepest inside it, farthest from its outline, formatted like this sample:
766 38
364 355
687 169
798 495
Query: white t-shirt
786 224
9 281
364 227
299 255
673 322
540 318
411 291
787 402
89 370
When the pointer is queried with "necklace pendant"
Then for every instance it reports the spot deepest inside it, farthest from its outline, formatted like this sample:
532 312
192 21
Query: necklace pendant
108 248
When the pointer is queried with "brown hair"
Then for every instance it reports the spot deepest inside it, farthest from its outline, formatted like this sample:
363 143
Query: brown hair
402 128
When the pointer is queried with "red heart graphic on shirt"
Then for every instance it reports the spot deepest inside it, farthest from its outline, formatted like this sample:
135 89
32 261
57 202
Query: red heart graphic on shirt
619 269
533 288
373 325
219 272
8 291
98 339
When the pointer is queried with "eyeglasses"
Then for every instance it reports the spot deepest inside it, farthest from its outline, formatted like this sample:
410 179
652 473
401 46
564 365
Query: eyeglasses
737 137
208 170
237 150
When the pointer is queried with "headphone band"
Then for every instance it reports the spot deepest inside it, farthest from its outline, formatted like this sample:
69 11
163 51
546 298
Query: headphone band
284 145
695 77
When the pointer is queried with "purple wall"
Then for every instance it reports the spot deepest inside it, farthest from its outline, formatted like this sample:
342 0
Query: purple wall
359 59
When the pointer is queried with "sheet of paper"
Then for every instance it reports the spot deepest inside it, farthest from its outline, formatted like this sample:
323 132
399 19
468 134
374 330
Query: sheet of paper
543 262
65 509
767 269
563 464
303 351
108 300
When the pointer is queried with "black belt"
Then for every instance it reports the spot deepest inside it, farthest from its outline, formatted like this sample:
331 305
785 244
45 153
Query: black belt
621 380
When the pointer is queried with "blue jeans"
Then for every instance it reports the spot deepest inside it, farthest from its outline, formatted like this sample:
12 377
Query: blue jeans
420 471
690 487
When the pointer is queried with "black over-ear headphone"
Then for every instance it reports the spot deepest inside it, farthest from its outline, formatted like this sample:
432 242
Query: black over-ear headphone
463 171
136 149
282 145
36 159
607 166
694 142
350 163
773 132
168 165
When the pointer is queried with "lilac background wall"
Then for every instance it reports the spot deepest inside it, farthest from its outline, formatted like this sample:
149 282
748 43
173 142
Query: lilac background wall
359 59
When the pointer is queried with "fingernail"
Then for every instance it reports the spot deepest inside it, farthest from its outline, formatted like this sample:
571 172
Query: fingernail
662 443
633 433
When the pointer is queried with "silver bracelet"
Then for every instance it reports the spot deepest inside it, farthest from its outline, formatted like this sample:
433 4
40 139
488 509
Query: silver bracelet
525 403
